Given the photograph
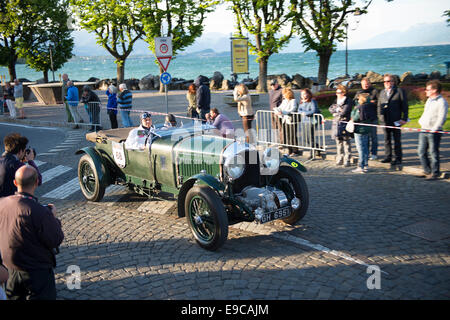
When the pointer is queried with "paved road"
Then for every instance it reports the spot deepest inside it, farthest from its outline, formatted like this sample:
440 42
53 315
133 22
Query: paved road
127 247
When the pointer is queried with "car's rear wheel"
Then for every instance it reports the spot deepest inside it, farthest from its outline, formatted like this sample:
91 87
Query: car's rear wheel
89 181
293 184
206 217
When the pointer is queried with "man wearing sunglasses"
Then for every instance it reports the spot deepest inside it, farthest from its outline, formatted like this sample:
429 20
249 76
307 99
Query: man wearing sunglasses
138 137
393 106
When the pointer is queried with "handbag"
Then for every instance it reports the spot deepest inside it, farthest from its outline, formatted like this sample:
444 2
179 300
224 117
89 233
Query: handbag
350 127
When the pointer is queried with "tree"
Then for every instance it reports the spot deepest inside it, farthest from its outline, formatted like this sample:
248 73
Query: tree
264 19
24 24
321 24
10 31
180 19
52 32
116 24
447 14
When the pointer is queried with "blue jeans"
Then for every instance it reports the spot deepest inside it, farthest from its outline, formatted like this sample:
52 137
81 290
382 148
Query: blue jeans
125 116
373 141
429 143
362 145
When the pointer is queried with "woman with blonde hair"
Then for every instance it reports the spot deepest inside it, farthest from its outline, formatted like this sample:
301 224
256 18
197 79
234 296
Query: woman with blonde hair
193 111
341 110
244 106
287 121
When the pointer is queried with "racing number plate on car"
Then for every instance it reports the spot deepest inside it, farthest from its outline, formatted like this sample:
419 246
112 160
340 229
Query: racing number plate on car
277 214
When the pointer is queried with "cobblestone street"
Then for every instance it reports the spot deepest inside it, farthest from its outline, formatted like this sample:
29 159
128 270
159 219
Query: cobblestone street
130 248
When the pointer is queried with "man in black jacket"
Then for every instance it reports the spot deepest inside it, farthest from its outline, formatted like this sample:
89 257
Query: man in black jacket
92 103
29 234
393 106
203 96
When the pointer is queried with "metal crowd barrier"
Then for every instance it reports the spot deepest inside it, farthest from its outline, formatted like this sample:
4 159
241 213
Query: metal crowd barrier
294 131
90 117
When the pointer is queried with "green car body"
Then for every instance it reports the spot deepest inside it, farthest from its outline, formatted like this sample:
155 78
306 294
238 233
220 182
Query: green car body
197 165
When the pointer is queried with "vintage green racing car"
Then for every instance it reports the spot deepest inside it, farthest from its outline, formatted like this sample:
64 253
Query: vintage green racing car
218 181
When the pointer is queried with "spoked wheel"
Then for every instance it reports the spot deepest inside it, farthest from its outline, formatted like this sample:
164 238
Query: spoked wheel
206 217
293 184
88 179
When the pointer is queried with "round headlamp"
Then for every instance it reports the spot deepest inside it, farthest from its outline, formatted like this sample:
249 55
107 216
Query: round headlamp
234 166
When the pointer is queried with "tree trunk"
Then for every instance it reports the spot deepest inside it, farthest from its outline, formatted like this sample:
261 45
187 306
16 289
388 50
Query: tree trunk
12 65
120 71
262 79
45 76
324 63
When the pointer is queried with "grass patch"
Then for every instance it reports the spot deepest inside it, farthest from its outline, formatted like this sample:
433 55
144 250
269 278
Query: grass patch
415 112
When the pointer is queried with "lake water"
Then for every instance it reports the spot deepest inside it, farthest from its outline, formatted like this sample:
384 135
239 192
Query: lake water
390 60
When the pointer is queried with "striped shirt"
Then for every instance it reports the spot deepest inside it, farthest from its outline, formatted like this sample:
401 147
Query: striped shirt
124 99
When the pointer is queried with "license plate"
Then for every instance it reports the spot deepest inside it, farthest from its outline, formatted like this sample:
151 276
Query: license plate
277 214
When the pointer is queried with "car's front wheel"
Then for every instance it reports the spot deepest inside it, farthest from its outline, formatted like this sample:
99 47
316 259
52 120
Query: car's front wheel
206 217
89 181
291 181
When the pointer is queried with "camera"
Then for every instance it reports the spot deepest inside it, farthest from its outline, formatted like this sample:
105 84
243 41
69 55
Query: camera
28 150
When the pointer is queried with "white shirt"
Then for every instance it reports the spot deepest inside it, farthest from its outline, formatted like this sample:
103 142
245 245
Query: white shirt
138 137
434 114
286 106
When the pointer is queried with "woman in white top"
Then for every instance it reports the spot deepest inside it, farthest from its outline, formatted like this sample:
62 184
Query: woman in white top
307 108
287 121
245 110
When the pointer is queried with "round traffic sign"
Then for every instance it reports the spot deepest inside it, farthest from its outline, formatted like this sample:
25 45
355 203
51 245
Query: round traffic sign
165 78
164 48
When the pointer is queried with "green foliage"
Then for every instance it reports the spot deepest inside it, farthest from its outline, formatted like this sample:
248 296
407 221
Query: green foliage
265 20
49 30
447 14
26 26
321 23
4 53
180 19
116 24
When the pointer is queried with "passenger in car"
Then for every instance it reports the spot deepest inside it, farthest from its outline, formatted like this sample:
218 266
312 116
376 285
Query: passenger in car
138 137
170 121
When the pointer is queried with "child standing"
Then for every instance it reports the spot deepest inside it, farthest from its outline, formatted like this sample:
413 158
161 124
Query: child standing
365 112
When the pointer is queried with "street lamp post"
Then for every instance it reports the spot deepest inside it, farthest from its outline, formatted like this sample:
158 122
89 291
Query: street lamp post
346 50
51 61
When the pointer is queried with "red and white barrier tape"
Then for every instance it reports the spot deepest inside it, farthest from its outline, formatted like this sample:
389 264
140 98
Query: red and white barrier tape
392 127
325 120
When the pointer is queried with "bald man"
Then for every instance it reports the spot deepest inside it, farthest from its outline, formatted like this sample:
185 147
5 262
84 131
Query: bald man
29 233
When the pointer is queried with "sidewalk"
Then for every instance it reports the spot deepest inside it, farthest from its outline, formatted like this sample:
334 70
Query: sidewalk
55 115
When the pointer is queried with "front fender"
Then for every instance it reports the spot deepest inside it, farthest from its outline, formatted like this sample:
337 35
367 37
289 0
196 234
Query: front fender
199 179
103 176
206 179
293 163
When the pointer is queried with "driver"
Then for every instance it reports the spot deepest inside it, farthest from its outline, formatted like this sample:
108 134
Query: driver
138 137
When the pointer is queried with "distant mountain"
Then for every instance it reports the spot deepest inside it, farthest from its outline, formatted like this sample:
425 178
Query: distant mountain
424 34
